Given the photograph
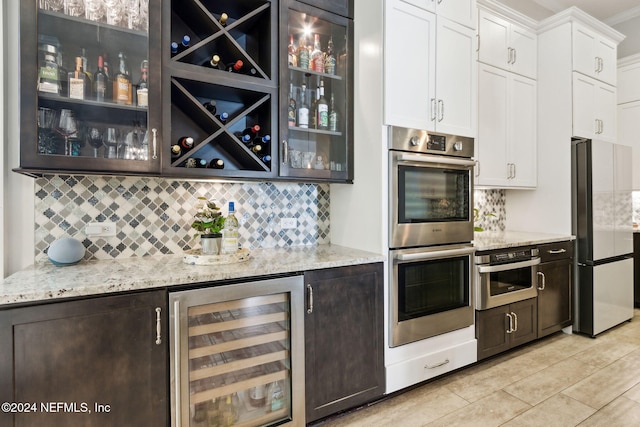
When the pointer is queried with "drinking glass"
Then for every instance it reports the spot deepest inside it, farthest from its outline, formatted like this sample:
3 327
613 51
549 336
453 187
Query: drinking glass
115 12
132 9
144 15
74 7
54 5
67 128
47 142
94 10
94 137
110 141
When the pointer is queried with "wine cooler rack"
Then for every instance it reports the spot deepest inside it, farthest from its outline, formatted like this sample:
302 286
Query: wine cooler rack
249 96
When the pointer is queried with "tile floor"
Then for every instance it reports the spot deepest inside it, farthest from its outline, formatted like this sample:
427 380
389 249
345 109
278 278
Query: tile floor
561 380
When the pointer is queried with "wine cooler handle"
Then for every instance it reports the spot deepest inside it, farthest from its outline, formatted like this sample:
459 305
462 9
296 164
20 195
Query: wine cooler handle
176 362
510 328
309 298
155 143
285 152
158 326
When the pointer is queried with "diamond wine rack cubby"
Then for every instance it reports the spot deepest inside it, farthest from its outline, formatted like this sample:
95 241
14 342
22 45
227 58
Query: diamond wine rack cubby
217 107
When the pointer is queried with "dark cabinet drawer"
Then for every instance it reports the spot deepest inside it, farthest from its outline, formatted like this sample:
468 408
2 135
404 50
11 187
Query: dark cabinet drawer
555 251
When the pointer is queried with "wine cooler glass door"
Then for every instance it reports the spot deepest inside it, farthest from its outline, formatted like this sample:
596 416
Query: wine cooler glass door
90 61
316 89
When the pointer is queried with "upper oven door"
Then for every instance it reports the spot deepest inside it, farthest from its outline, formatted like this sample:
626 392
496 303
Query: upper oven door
431 199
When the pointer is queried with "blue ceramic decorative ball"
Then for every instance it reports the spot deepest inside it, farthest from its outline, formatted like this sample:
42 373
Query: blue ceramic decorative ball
66 251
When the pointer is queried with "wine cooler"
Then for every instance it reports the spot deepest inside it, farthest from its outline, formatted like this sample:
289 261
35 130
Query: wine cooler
237 354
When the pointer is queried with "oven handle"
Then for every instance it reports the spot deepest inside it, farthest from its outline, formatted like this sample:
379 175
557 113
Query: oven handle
425 158
434 254
508 266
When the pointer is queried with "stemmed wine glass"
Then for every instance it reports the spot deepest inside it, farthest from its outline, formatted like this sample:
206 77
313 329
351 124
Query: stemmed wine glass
67 127
94 137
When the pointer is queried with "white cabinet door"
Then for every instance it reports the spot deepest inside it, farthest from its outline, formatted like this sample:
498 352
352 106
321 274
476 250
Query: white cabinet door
507 45
409 66
522 147
629 134
461 11
594 109
493 104
456 77
429 5
594 55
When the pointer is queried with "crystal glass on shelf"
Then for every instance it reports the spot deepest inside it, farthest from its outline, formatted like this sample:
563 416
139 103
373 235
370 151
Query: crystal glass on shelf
53 5
94 138
47 139
132 9
74 7
67 127
110 141
115 12
94 10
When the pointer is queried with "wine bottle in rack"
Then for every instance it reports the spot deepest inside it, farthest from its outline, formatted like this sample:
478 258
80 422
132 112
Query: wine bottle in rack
174 48
210 106
246 139
222 117
176 151
330 58
262 139
185 143
223 19
257 148
251 131
266 158
292 110
322 109
184 45
317 56
235 67
303 108
216 164
214 62
303 52
195 162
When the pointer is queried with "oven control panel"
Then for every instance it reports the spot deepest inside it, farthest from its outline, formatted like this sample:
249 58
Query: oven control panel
502 256
421 141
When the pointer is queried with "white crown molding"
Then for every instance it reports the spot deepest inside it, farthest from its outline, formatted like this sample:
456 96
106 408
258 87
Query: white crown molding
574 14
631 60
553 5
623 16
509 13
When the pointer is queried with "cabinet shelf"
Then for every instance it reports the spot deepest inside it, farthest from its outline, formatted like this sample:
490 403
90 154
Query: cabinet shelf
311 130
307 72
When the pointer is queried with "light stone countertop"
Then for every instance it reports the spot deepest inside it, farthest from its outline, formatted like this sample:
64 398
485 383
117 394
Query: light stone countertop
44 281
488 240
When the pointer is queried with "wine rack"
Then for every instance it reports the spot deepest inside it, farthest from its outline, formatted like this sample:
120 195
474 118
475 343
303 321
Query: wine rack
249 98
235 357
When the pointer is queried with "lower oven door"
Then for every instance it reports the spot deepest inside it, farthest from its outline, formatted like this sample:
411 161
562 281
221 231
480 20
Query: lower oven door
431 292
506 283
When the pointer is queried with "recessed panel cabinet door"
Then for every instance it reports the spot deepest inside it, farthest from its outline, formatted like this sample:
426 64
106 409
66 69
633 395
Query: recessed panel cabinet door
105 359
410 53
523 137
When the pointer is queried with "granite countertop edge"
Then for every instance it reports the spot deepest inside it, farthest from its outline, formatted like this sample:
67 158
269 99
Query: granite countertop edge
490 240
43 281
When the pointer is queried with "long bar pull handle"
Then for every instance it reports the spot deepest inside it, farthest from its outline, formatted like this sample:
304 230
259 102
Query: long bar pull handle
515 322
510 328
434 110
154 143
556 251
477 168
515 56
158 326
437 365
440 110
544 281
310 298
285 152
176 363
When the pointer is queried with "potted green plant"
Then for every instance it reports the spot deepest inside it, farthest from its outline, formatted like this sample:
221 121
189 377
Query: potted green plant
476 217
208 222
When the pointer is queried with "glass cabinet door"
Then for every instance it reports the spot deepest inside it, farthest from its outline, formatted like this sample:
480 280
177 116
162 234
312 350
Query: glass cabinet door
88 86
316 95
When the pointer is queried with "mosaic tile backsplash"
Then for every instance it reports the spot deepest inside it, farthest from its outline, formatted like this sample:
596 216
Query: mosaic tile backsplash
491 205
153 215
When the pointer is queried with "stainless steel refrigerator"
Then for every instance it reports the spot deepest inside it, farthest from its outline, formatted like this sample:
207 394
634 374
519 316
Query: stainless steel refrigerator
602 224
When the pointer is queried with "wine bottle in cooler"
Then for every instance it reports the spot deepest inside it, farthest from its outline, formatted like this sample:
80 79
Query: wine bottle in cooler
303 52
322 109
330 58
292 110
79 84
142 90
303 108
317 56
100 81
333 115
292 53
122 82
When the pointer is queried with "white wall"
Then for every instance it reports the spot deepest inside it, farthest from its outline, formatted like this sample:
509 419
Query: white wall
18 190
631 44
358 210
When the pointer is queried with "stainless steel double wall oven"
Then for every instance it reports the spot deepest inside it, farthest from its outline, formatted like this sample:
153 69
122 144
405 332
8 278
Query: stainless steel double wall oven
430 234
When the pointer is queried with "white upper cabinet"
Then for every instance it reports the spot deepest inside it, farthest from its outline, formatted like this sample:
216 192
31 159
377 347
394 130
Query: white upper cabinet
593 54
409 65
594 109
629 134
506 44
507 138
429 71
461 11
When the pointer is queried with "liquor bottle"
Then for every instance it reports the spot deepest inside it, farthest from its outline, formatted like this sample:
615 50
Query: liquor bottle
317 56
85 66
251 131
313 113
303 53
330 58
63 74
48 80
292 108
322 109
108 93
142 91
214 62
333 115
223 19
293 57
210 106
222 117
341 60
122 82
185 143
303 108
100 81
216 164
176 151
79 86
230 233
235 66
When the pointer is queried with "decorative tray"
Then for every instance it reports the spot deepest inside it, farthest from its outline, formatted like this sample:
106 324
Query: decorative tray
195 257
